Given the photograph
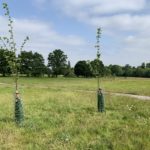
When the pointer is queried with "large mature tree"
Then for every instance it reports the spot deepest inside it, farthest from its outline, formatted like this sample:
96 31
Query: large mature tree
38 67
57 61
107 71
116 70
32 64
4 64
83 68
127 70
26 62
97 67
143 65
147 65
48 71
139 72
147 72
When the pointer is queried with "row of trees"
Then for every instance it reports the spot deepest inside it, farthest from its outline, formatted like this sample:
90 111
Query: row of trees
87 69
32 64
128 71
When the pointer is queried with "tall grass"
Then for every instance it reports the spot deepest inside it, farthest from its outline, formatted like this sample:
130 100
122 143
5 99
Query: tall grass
61 116
138 86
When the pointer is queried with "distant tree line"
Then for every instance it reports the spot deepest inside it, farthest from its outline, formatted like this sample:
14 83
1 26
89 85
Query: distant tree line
32 65
87 69
129 71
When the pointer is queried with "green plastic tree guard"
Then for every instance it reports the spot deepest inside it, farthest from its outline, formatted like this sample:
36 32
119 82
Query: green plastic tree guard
100 101
19 117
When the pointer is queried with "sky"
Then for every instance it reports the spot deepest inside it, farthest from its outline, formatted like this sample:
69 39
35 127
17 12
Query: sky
70 25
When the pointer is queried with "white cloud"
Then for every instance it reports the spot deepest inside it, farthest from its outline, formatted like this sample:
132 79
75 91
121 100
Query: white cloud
98 7
138 44
109 14
112 15
118 19
124 21
43 38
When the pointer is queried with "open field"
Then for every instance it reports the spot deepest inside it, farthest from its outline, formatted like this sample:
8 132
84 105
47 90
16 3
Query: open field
61 114
137 86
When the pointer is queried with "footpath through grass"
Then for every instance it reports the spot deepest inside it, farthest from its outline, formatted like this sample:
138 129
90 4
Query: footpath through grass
59 117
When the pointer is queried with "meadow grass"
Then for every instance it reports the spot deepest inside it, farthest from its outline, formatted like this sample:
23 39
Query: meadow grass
61 114
137 86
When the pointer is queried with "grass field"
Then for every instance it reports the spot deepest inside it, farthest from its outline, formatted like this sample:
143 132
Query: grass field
137 86
61 114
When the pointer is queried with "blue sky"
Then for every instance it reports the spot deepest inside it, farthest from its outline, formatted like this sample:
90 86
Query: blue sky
71 26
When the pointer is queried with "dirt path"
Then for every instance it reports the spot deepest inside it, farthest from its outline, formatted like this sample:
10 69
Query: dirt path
131 95
140 97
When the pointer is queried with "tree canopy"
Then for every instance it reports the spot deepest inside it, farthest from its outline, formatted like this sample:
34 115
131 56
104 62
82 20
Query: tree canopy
83 68
32 64
4 64
97 67
57 61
